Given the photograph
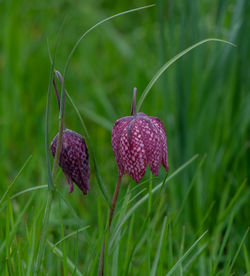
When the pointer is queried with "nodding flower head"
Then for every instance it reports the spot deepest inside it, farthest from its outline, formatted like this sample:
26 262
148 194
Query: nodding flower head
74 159
139 140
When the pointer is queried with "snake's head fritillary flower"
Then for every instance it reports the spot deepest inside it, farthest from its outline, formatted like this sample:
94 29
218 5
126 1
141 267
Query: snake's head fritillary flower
74 159
137 141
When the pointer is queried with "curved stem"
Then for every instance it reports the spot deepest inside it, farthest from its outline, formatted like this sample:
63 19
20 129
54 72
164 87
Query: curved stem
115 196
57 93
61 124
52 192
111 214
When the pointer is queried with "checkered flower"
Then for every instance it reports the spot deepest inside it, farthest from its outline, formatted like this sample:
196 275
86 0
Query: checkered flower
74 159
139 140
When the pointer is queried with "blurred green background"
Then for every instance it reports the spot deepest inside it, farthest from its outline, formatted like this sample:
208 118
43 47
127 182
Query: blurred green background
203 101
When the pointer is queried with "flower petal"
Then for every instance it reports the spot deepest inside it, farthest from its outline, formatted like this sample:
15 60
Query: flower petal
132 152
152 143
157 122
116 137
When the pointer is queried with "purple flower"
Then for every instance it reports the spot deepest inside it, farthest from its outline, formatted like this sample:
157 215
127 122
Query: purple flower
74 159
139 140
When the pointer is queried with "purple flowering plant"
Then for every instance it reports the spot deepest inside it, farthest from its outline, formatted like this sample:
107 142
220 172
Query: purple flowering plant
137 141
74 156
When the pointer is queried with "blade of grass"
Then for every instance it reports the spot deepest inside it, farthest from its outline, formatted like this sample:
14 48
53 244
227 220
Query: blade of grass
142 230
172 61
98 119
29 190
32 250
224 241
72 234
179 262
88 31
246 259
14 180
59 254
158 251
18 220
184 201
233 200
63 246
142 200
192 259
228 270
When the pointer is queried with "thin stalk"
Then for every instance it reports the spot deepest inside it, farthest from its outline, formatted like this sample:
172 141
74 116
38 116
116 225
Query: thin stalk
51 191
57 93
61 124
115 196
111 214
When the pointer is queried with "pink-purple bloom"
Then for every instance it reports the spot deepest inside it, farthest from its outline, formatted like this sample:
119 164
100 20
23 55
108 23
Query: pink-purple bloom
74 159
139 140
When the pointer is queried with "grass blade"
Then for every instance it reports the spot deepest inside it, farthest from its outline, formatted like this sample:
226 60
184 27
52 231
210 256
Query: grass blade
172 61
237 252
142 200
91 29
179 262
15 179
29 190
59 254
72 234
158 252
14 229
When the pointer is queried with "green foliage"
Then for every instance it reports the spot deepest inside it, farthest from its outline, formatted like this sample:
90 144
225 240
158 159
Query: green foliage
192 222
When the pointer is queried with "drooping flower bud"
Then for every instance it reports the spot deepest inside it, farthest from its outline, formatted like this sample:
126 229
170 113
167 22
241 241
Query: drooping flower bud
74 159
137 141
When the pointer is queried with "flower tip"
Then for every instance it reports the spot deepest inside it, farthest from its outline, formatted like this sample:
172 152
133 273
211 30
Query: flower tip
59 75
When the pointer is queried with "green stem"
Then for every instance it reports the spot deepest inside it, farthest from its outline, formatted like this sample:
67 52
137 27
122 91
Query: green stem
111 214
50 195
115 196
44 232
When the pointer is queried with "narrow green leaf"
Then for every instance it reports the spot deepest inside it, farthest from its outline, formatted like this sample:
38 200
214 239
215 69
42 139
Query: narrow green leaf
198 253
59 254
29 190
158 252
98 119
72 234
92 28
142 200
14 180
172 61
18 221
246 259
237 253
179 262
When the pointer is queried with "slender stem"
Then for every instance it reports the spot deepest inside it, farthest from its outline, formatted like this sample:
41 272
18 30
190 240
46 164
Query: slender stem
44 232
111 214
133 109
57 93
51 193
101 261
61 124
115 196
